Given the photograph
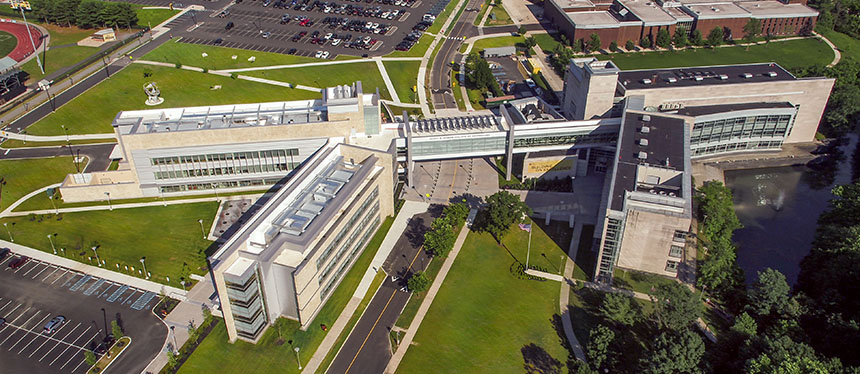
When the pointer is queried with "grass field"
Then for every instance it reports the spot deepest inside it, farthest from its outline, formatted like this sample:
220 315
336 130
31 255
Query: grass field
440 19
25 176
547 42
93 111
458 93
502 41
417 50
480 16
61 57
789 54
403 75
152 17
7 43
638 281
219 58
167 236
483 316
41 202
848 46
498 17
216 354
398 111
329 76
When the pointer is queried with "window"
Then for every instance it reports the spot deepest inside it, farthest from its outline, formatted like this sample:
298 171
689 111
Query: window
680 236
672 266
676 251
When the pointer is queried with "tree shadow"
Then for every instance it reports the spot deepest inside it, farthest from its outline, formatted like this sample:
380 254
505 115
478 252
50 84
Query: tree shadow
537 360
415 230
472 201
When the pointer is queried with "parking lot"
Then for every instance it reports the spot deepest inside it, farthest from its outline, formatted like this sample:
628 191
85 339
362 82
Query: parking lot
36 292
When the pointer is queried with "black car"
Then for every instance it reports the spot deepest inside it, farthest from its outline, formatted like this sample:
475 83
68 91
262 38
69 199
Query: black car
229 26
4 252
218 41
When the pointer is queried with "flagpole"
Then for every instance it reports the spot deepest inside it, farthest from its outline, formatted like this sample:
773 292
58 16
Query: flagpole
529 251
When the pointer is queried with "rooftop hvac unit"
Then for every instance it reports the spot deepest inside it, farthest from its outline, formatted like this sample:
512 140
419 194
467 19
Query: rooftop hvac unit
646 81
646 118
723 77
642 155
748 75
771 74
671 79
645 129
643 142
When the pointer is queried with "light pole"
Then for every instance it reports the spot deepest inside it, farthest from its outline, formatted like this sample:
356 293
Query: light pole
11 239
202 230
110 207
52 243
104 315
529 251
143 262
95 250
173 332
33 44
296 349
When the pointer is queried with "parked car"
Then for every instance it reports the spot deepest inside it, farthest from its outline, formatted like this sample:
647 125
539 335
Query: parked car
218 41
53 325
18 262
229 26
4 252
292 51
266 34
2 322
224 13
325 54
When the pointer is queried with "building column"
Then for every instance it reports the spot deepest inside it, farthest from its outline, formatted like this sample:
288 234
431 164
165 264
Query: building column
410 165
509 153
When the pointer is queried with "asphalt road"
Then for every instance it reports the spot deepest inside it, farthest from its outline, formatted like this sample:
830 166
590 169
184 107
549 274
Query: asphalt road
367 350
440 73
36 292
98 154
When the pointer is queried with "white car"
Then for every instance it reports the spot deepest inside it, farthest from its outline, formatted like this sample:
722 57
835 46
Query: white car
531 83
325 55
318 54
335 42
327 36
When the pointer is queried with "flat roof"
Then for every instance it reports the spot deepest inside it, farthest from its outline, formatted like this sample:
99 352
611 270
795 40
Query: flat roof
648 11
694 111
716 11
776 9
595 19
455 125
566 4
678 14
703 76
664 149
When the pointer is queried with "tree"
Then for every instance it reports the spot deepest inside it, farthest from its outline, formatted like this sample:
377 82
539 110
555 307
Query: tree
561 58
503 210
578 45
87 15
629 45
564 40
664 40
90 357
479 74
675 306
418 282
439 240
116 330
613 46
645 42
618 308
594 42
697 38
530 42
680 38
752 29
781 354
597 350
715 37
770 295
522 30
171 359
281 327
674 352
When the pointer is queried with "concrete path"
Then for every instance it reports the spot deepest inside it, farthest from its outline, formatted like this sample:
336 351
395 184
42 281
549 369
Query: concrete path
405 105
484 19
837 56
127 206
387 80
55 138
95 271
428 300
6 212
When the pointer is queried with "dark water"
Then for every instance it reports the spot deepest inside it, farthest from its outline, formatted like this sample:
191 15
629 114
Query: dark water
779 208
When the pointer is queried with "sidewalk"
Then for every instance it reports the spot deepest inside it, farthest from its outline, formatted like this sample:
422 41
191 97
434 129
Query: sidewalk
142 284
409 209
126 206
428 300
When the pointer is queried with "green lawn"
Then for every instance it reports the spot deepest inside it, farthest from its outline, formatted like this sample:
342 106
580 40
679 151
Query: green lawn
789 54
371 291
483 316
152 17
476 98
58 58
440 19
480 16
216 354
458 93
848 46
329 76
219 58
41 202
417 50
502 41
638 281
7 43
499 17
398 110
547 42
93 111
15 143
403 76
25 176
168 236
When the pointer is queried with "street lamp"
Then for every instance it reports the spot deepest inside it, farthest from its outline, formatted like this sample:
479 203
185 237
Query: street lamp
296 349
202 230
95 250
110 207
52 243
172 331
104 315
11 239
143 262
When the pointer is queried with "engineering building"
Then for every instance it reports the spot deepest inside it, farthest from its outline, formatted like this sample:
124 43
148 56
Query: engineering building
638 130
632 20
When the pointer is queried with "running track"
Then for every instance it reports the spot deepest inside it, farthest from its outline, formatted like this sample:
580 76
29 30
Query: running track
19 30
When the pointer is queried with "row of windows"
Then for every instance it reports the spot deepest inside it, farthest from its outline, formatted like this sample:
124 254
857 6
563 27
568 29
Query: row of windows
224 156
610 247
231 170
739 128
566 140
740 146
346 245
340 235
223 184
370 230
672 266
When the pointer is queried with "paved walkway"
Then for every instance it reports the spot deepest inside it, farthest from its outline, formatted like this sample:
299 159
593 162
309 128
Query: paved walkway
6 212
409 209
837 55
55 138
387 80
428 300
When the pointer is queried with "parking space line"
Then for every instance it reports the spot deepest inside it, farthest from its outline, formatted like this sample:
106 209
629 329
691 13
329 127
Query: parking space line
43 270
22 267
31 330
47 340
19 316
56 269
35 265
79 348
4 306
34 339
64 339
68 282
70 345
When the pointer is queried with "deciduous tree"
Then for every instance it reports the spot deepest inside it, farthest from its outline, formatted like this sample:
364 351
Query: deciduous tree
503 210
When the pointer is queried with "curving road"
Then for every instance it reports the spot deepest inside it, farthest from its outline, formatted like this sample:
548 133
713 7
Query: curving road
440 73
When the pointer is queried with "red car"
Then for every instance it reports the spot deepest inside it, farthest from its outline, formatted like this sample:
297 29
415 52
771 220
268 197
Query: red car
18 262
